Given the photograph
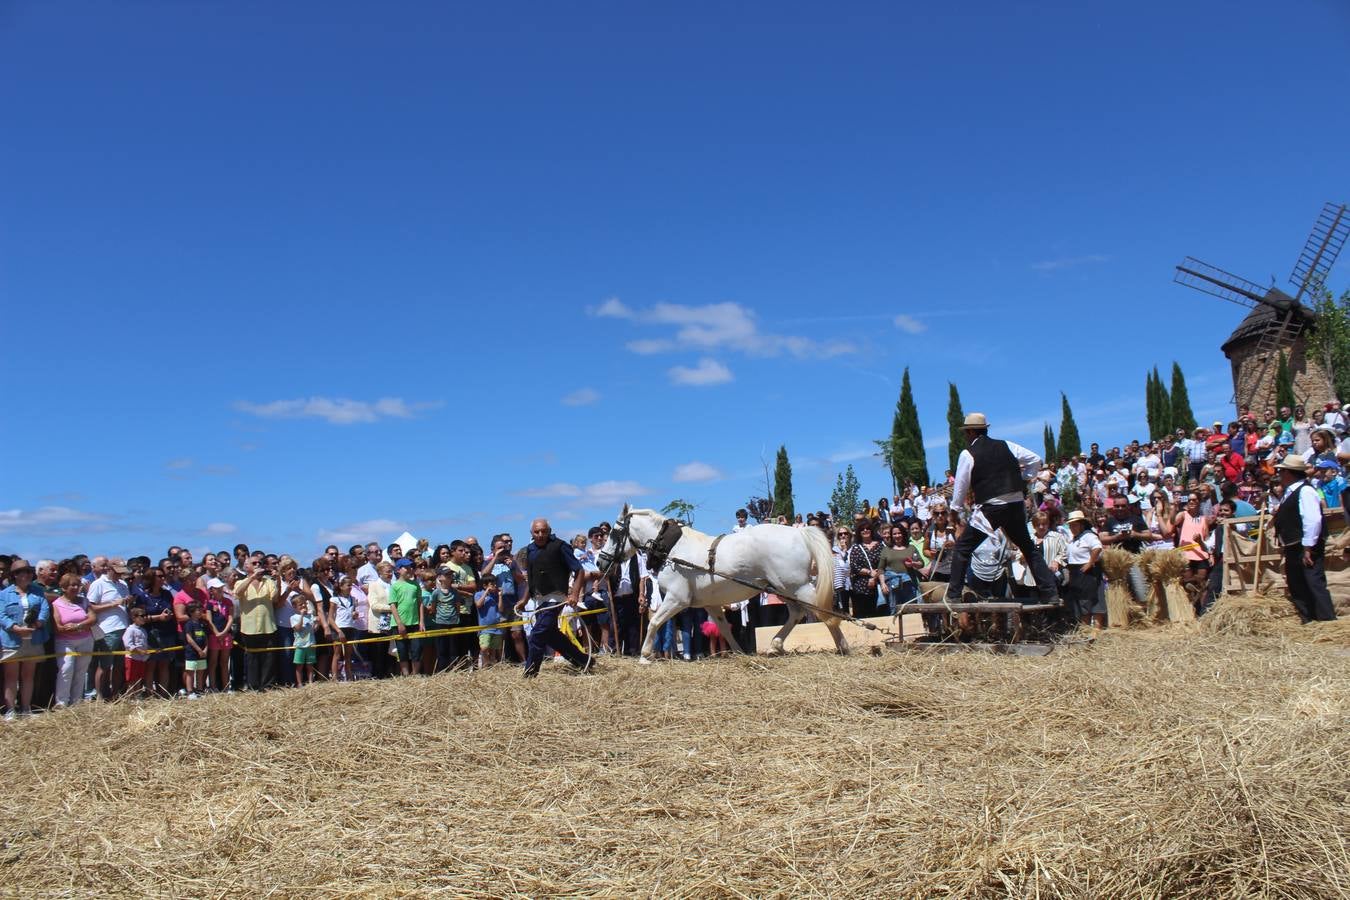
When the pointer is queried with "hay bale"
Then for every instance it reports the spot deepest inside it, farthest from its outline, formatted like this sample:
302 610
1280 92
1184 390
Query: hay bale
1250 615
1164 569
1117 563
1207 767
1156 607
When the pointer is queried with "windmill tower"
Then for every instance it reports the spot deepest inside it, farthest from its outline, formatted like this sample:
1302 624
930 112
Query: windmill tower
1277 322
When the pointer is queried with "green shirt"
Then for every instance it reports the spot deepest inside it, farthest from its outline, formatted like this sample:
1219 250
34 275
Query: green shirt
405 596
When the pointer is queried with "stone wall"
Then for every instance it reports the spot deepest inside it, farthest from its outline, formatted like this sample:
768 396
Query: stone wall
1254 379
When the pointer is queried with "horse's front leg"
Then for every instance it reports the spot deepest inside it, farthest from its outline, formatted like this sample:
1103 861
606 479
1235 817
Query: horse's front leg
668 609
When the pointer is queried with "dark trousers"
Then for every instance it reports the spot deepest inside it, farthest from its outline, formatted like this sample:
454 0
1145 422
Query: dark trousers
1308 585
259 663
545 638
377 654
1012 519
628 629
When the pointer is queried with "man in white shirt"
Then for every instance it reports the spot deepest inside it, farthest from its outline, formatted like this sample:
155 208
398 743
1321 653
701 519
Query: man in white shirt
921 511
742 517
108 602
366 574
991 478
1298 523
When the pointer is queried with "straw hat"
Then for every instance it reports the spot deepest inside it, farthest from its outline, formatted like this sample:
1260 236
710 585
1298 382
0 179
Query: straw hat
976 420
1077 516
1293 462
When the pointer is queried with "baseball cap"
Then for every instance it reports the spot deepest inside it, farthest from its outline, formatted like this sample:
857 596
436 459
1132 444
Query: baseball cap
215 583
404 564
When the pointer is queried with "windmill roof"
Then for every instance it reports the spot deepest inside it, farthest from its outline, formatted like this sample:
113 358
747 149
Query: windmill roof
1267 315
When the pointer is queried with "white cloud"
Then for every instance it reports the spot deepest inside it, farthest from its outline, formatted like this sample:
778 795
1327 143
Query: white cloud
335 411
219 528
707 373
1069 262
581 397
852 454
183 463
603 493
43 518
696 471
379 530
715 326
612 308
909 324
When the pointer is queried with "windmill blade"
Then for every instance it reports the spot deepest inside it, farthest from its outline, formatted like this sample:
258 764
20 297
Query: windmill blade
1212 280
1329 235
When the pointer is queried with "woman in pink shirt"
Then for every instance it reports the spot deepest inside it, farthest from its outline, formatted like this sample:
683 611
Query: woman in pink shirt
74 635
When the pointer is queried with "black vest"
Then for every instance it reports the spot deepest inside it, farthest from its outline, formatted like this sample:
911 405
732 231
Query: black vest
1289 521
995 472
549 573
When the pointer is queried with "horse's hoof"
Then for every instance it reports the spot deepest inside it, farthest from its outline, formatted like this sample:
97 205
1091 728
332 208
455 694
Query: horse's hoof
776 646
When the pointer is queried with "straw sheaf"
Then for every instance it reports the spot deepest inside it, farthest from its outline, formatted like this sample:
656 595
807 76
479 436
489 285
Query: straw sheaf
1117 562
1208 765
1270 615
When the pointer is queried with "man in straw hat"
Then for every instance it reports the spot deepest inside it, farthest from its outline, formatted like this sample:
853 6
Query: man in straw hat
1298 523
991 478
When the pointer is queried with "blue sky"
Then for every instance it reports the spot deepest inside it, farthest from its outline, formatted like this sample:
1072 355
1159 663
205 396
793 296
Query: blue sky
295 272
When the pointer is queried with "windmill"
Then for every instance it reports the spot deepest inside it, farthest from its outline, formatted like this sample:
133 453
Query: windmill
1277 320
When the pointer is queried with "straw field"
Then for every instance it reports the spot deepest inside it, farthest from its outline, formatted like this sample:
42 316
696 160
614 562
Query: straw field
1173 762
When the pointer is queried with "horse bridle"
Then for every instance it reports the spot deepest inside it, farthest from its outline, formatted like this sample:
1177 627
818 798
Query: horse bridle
620 536
657 549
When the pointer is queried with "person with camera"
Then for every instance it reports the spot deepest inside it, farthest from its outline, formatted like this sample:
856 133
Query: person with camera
24 614
257 598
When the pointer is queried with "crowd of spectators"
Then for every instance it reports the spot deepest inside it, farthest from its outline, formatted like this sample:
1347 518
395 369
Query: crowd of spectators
101 627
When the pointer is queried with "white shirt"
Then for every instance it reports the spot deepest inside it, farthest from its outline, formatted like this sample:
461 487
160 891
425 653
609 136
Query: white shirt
625 586
1080 548
921 508
110 590
1309 509
366 574
1029 463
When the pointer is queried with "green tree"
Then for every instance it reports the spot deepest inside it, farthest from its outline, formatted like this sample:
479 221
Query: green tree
1069 442
1163 406
1284 384
911 460
1329 340
1151 403
1049 444
782 486
886 450
844 498
956 441
1182 417
680 510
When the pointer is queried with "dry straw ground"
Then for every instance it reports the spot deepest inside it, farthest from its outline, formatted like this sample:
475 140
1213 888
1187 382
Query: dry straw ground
1176 762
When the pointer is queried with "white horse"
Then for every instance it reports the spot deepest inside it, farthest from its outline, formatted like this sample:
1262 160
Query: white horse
777 556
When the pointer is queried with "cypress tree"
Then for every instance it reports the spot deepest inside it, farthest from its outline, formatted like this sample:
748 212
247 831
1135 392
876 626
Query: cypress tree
910 457
956 441
1164 406
1069 442
782 486
1182 417
1049 444
1151 401
1284 384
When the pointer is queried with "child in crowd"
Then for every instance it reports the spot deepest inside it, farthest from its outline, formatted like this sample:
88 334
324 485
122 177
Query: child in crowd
196 649
136 642
1330 483
302 630
344 628
490 640
442 612
220 643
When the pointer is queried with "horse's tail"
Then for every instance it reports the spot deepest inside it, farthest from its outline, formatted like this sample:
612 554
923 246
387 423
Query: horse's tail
821 554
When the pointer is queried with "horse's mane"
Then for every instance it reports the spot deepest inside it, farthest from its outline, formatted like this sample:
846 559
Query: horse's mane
688 529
